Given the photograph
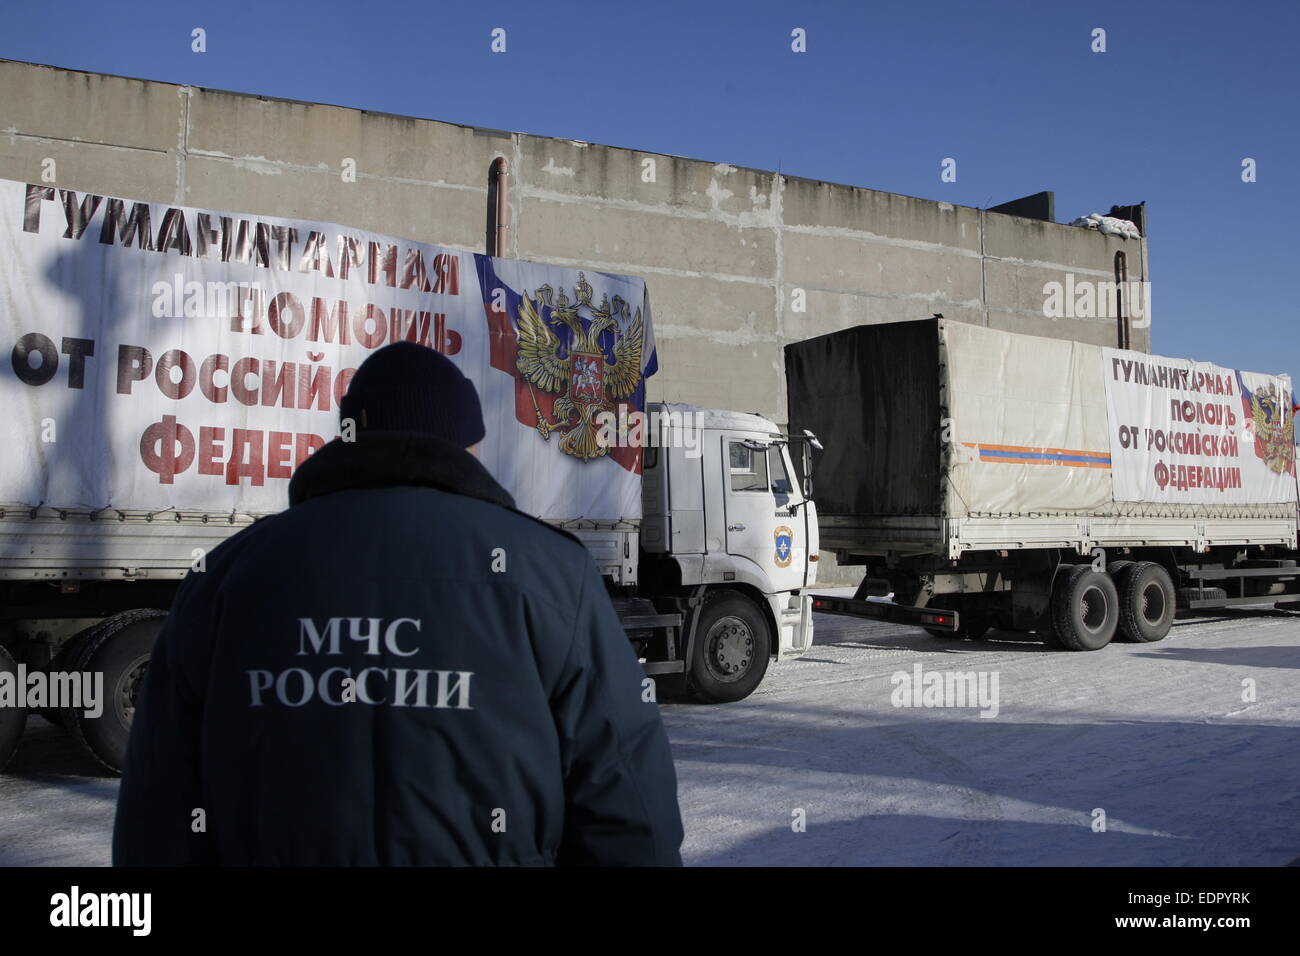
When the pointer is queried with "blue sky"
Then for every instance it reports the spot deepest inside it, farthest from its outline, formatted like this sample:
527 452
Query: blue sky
1184 92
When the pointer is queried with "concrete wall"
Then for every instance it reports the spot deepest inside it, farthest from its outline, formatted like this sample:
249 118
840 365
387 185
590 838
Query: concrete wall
724 249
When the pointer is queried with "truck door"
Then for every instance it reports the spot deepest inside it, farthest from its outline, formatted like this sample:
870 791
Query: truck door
764 510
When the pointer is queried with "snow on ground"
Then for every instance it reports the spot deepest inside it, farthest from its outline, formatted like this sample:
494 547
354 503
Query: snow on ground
1158 736
1155 735
56 803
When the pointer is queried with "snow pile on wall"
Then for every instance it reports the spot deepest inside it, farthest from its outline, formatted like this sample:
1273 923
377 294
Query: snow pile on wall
1108 225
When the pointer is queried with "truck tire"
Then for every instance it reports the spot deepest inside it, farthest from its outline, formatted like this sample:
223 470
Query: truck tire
1047 634
119 647
65 659
1085 609
13 720
1147 602
1116 568
732 644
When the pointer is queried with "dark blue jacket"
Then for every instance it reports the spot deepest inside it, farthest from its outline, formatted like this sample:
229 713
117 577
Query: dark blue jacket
399 669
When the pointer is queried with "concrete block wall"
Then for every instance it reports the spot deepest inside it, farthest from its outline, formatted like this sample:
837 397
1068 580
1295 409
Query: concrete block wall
724 248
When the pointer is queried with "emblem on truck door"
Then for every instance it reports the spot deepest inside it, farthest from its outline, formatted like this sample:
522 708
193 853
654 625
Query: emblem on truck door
590 364
784 546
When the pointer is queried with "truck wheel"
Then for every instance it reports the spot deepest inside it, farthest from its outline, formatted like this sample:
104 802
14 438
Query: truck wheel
1116 568
1085 609
1147 602
119 648
64 660
13 720
732 646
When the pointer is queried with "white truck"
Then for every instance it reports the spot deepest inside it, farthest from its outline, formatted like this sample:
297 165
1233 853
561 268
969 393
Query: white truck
170 366
993 480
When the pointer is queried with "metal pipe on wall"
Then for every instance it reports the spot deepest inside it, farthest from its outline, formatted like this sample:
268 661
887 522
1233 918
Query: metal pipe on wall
1121 313
501 214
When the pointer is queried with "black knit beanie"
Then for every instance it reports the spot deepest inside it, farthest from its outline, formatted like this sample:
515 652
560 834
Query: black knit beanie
406 387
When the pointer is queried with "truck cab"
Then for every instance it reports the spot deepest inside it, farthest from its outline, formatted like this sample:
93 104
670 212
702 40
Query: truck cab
728 539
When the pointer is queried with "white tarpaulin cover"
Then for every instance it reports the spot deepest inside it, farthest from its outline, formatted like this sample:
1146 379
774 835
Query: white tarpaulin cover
174 358
1029 420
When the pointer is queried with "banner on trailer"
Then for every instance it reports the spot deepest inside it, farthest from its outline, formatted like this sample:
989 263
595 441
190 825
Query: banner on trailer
1183 431
164 357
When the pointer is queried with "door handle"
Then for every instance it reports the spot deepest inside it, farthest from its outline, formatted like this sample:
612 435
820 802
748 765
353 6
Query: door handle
735 527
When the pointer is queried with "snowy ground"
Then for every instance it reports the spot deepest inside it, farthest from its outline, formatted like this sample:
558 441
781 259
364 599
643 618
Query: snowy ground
1158 736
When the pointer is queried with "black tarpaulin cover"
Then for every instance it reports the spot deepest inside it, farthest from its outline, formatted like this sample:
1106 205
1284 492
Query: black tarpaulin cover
871 396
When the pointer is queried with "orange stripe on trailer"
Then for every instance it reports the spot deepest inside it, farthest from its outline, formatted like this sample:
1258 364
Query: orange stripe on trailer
1035 455
1046 451
1043 461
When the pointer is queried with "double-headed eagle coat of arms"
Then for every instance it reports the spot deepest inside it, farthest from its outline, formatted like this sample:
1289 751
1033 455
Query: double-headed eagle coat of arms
589 364
1271 426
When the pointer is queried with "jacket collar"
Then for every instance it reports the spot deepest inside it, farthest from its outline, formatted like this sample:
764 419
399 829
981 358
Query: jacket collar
388 459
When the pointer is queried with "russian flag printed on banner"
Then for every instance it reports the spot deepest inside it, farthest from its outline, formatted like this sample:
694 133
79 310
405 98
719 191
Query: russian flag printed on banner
579 345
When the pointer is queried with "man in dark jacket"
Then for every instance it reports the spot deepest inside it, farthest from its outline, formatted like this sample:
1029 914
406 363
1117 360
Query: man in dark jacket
399 669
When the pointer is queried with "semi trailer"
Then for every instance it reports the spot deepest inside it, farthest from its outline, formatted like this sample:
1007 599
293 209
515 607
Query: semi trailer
988 479
169 367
